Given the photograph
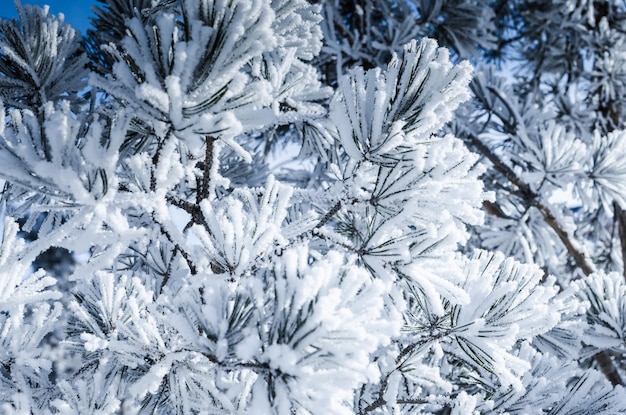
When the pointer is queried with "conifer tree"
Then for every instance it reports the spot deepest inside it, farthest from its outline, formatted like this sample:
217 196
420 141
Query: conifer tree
301 207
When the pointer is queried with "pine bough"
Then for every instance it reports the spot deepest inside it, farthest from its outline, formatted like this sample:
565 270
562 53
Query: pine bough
212 279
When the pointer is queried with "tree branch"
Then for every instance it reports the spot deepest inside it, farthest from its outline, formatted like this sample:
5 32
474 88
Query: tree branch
602 358
191 208
533 199
579 256
203 192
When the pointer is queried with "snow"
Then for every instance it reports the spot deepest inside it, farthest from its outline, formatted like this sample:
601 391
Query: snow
346 284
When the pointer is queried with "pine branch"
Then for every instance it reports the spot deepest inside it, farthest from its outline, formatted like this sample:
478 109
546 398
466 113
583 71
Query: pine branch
534 200
603 358
192 209
580 258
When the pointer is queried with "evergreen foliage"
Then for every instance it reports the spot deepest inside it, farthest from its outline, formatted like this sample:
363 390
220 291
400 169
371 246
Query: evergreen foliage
314 207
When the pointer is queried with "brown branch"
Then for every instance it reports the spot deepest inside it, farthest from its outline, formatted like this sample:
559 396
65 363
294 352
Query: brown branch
494 210
191 208
602 358
605 363
579 257
533 199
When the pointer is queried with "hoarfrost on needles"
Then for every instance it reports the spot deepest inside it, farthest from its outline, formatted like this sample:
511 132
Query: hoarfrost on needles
215 269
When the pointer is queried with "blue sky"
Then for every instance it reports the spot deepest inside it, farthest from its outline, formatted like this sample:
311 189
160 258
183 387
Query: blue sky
77 12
